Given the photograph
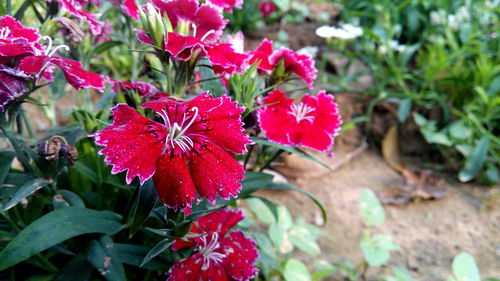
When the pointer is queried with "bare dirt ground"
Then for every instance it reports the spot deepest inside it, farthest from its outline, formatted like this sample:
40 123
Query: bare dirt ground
430 233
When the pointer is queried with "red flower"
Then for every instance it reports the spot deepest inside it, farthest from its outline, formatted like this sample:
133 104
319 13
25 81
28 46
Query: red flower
222 56
191 152
75 75
216 256
301 65
15 39
311 123
142 88
262 54
205 22
130 8
266 8
12 84
227 5
75 8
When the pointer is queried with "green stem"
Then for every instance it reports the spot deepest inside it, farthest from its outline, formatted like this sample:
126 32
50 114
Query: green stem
274 157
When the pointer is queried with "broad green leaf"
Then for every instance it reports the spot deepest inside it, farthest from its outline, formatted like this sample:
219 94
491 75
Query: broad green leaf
304 240
295 270
85 171
279 237
26 190
404 109
54 228
253 182
290 149
370 208
6 158
134 254
465 268
377 249
323 269
286 186
158 249
78 269
264 244
261 210
72 198
284 217
145 202
401 274
475 161
102 256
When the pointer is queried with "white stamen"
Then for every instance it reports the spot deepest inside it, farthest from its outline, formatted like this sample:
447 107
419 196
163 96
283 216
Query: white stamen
195 29
4 32
57 48
49 44
48 50
300 111
207 34
176 135
207 249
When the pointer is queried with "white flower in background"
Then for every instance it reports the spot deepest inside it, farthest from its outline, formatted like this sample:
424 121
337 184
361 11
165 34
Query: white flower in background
462 14
438 17
311 51
453 22
344 31
394 44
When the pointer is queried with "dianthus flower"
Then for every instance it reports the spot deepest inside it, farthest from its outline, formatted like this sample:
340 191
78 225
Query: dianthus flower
216 256
23 58
204 22
266 8
227 5
300 64
192 151
311 123
76 9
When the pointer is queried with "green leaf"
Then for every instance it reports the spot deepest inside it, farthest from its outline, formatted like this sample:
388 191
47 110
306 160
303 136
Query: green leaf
101 255
287 186
284 217
404 109
301 237
54 228
377 249
279 237
370 208
78 269
475 161
158 249
290 149
262 210
323 269
265 244
6 158
145 202
134 254
85 171
465 268
295 270
253 182
214 85
401 274
72 198
26 190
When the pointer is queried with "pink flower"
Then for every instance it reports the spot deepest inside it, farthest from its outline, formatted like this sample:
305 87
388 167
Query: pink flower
205 22
311 123
75 75
76 9
142 88
262 54
266 8
16 40
227 5
191 152
222 56
269 59
130 8
301 65
216 256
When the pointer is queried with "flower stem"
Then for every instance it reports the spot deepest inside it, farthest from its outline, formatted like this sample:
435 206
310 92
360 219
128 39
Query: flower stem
274 157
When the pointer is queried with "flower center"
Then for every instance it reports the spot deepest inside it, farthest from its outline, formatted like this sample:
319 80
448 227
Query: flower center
4 32
207 249
177 130
300 112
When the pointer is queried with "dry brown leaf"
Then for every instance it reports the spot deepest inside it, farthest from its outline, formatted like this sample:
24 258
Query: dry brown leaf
396 195
390 149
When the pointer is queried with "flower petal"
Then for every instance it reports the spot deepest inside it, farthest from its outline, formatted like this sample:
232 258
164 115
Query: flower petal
215 172
220 221
132 143
241 256
173 182
262 54
223 121
12 86
301 65
274 119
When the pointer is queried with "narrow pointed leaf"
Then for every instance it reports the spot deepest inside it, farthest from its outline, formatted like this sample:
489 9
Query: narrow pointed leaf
54 228
158 249
26 190
6 158
146 201
102 256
